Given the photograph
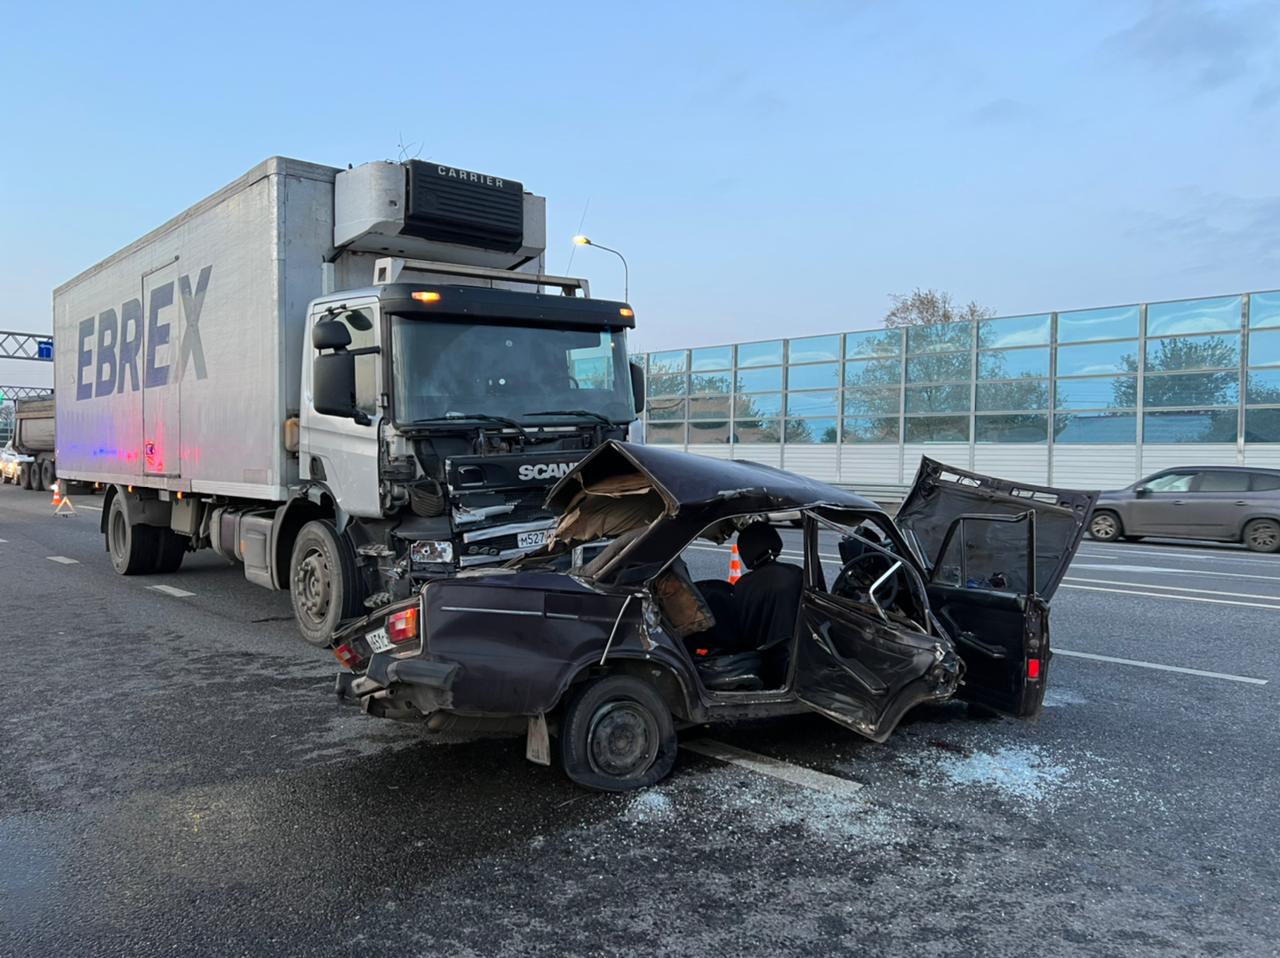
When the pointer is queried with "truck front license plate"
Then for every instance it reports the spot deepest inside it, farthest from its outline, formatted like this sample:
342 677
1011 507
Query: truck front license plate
378 640
531 540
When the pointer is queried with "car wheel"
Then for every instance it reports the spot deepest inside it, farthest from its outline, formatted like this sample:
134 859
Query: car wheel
617 734
1105 526
132 547
324 582
1262 535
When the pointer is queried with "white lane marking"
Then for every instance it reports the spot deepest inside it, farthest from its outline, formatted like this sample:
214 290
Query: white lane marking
1161 569
94 508
63 559
1176 553
1248 680
1178 598
1175 588
171 590
4 540
784 771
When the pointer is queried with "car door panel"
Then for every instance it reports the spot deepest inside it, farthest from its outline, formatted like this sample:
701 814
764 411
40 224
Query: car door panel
1003 639
863 672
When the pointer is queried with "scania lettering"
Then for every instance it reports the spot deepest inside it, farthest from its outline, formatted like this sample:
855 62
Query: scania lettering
552 470
349 381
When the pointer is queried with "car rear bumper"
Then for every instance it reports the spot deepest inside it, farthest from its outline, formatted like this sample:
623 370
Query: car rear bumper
399 688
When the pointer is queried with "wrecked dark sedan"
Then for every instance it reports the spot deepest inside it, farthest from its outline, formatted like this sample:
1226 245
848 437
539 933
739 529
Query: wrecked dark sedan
601 645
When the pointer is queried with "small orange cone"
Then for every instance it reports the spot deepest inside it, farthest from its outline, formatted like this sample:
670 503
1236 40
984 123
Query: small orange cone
57 496
735 564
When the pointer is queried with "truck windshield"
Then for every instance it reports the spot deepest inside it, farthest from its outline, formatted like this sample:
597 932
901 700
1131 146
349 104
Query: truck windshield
444 368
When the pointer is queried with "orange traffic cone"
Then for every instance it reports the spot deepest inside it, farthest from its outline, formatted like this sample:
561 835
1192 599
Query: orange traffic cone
735 564
57 496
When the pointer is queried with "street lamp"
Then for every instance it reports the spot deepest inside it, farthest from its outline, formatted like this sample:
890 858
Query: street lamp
626 272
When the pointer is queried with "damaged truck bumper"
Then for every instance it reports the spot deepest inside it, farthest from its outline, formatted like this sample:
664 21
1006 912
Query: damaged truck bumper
399 688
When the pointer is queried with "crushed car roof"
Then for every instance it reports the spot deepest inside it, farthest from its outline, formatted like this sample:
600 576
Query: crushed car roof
620 489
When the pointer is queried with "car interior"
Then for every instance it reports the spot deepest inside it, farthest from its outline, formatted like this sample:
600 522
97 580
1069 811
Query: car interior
741 635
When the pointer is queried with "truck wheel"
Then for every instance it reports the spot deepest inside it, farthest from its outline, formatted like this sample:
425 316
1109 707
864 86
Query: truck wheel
132 547
324 583
48 475
617 734
1105 526
37 477
24 475
170 550
1262 535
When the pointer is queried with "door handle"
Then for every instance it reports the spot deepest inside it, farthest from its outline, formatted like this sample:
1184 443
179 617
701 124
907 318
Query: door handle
1179 502
1241 502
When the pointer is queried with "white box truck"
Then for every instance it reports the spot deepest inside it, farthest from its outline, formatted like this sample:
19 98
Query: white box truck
350 381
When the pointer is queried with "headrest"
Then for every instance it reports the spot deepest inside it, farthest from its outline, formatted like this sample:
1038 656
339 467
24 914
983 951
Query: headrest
759 543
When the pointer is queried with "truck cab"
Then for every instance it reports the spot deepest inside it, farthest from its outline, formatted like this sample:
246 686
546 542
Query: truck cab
438 415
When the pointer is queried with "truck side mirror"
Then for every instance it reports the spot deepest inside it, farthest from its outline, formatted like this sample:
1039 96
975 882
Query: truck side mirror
328 334
637 386
333 374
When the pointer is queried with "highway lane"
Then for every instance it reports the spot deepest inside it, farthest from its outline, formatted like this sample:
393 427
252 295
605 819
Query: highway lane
176 777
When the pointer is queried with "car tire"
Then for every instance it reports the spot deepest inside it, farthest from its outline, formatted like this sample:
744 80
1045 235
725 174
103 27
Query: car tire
324 582
48 473
1262 535
132 547
617 734
24 475
171 549
1105 526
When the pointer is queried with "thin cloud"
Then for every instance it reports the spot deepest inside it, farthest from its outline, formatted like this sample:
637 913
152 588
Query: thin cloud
1208 230
1207 45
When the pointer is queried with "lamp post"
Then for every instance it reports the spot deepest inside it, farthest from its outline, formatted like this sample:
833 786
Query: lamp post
626 272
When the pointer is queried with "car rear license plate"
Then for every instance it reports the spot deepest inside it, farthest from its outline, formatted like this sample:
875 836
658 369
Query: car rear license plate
531 540
378 640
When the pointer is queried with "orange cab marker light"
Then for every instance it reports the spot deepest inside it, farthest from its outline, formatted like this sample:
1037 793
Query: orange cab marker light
627 311
426 296
1033 668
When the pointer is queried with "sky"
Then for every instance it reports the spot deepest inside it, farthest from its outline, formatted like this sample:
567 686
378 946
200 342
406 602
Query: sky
768 169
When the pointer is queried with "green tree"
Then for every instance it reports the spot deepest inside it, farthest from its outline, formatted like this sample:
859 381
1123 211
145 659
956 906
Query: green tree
1208 388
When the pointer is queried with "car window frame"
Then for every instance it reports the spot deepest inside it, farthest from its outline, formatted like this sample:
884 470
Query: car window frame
1270 477
1191 475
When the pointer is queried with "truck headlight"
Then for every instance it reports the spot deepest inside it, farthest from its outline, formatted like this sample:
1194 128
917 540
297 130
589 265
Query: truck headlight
431 550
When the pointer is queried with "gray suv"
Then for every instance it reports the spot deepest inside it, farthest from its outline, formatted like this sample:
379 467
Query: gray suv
1226 503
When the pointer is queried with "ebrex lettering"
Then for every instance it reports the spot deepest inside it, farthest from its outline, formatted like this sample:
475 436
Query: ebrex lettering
110 345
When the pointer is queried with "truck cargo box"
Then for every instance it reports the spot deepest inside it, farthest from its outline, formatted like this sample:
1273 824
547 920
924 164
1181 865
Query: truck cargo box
33 426
177 359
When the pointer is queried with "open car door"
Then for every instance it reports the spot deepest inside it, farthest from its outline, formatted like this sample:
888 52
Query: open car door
865 653
996 552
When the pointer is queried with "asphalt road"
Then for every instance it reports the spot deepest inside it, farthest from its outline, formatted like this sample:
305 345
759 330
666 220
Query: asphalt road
176 778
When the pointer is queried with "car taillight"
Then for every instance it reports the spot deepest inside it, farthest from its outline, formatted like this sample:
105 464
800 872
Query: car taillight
347 656
403 626
1033 668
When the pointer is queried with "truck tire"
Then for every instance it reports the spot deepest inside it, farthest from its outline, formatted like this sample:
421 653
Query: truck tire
37 477
132 547
48 474
617 734
171 548
324 582
24 475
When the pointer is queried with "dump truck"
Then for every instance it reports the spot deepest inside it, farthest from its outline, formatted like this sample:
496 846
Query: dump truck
33 430
350 381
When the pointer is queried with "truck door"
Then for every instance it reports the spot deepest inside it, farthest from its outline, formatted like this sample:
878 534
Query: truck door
161 397
340 452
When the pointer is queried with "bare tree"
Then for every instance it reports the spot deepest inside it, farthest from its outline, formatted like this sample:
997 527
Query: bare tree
930 307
